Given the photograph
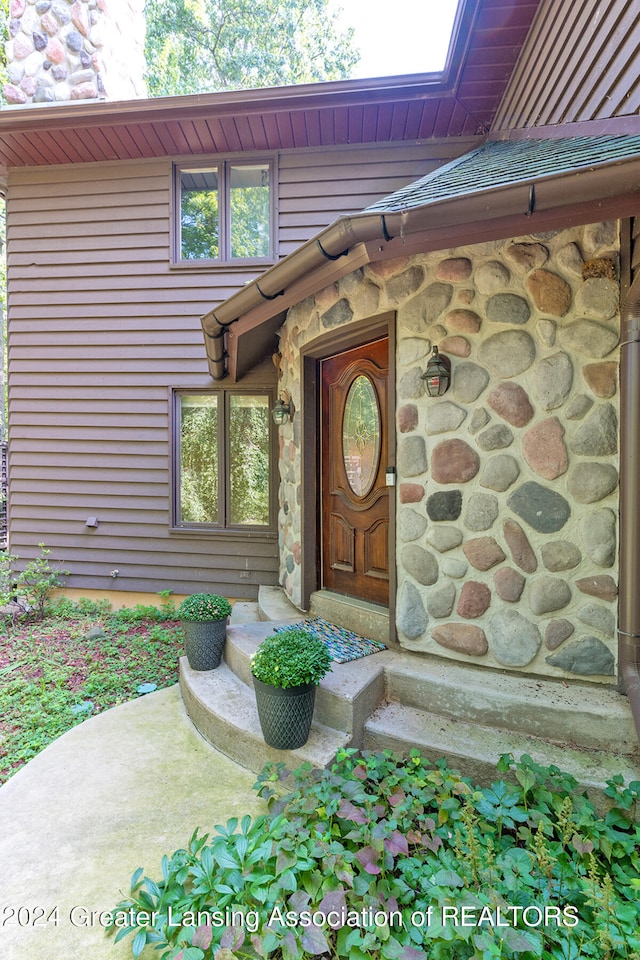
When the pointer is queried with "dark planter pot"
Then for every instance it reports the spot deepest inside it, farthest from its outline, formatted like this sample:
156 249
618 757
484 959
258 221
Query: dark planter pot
204 642
285 714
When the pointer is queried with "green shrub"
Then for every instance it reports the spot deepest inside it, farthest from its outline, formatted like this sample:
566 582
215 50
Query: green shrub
68 609
29 589
290 658
401 860
204 606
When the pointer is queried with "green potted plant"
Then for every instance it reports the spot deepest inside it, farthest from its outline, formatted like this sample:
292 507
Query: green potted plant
203 618
287 667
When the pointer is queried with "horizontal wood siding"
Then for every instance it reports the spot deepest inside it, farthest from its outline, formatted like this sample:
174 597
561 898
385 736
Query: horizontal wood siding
317 187
581 62
101 327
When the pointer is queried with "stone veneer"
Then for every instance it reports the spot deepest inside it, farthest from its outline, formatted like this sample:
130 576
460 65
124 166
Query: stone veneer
508 485
75 50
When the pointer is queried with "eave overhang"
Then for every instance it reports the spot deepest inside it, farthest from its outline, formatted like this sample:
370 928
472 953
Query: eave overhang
459 101
241 330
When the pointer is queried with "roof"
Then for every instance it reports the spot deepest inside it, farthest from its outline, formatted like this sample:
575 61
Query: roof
461 101
501 189
499 163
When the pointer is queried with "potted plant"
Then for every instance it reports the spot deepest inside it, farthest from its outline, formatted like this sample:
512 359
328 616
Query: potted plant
203 618
287 667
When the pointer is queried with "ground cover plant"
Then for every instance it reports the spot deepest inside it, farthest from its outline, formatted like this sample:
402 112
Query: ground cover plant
401 859
68 661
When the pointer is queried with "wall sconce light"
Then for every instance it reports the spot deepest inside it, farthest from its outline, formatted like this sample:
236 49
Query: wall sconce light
437 376
283 411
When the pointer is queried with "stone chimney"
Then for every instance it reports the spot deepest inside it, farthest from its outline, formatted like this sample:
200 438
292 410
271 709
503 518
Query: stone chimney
75 50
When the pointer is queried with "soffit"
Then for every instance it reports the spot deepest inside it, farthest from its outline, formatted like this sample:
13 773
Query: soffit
461 102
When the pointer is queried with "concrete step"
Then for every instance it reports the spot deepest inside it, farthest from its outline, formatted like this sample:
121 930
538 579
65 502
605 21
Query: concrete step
345 697
583 715
397 700
367 619
474 749
273 604
223 710
245 611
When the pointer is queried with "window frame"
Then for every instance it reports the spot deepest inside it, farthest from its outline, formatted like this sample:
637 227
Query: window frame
223 524
223 167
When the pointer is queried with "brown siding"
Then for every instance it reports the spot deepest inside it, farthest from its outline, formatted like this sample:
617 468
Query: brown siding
100 327
581 61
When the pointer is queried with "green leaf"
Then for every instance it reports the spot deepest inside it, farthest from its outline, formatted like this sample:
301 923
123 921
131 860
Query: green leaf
139 943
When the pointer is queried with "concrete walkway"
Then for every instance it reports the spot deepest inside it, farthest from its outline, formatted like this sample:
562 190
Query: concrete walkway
113 794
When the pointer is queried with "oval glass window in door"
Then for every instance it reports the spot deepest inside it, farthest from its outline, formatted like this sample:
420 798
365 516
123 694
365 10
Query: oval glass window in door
361 435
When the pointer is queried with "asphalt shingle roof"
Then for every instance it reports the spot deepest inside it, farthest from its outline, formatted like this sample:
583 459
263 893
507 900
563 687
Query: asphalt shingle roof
503 162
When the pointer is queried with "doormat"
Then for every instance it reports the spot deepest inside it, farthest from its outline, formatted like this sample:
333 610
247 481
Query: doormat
343 645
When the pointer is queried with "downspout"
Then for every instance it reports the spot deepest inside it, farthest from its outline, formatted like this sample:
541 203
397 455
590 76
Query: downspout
629 590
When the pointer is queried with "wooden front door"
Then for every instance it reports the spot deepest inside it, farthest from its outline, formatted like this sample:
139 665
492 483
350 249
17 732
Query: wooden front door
354 447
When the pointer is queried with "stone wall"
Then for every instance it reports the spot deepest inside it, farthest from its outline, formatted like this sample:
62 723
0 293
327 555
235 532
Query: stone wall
75 50
507 485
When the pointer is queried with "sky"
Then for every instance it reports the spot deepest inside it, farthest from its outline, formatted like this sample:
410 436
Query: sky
398 36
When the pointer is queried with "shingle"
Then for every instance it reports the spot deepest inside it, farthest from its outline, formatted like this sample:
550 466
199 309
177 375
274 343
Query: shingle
499 163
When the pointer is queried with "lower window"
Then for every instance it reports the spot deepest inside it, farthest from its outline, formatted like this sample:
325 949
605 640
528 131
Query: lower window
223 459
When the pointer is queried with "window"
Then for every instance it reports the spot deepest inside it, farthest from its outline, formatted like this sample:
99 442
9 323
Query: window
223 457
225 212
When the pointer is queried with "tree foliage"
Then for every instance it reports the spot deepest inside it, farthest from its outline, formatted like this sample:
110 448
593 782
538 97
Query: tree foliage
198 46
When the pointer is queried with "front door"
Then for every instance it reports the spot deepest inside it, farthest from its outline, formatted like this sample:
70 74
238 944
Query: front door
355 498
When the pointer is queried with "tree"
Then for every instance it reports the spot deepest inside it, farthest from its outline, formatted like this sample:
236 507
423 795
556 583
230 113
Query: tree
198 46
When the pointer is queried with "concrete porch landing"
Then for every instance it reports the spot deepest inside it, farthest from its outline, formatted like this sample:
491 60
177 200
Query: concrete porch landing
399 700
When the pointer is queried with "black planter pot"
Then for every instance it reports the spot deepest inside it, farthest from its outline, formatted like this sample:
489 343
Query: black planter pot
204 642
285 714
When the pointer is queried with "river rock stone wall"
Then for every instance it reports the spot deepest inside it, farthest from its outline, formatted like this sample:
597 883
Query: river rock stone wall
508 485
62 50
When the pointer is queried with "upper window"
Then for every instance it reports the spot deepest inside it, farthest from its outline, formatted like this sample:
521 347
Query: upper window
225 212
223 459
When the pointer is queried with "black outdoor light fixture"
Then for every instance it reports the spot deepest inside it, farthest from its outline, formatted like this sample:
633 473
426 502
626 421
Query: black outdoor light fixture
437 376
282 412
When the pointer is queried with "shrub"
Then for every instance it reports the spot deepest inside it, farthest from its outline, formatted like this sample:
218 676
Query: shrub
31 588
290 658
204 606
400 859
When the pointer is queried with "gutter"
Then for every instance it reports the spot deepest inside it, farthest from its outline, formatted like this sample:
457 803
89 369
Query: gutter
629 594
516 203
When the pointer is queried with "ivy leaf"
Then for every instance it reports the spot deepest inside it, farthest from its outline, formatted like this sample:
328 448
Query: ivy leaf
582 846
298 901
396 843
368 857
525 778
314 940
334 900
232 937
348 811
223 954
202 936
447 878
291 949
412 953
396 798
285 860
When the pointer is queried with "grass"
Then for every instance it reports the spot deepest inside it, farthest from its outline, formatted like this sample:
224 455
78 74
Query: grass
80 660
